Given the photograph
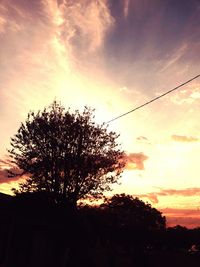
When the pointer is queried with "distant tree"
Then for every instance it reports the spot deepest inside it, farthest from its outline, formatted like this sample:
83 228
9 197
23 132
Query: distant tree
133 213
178 237
66 154
126 220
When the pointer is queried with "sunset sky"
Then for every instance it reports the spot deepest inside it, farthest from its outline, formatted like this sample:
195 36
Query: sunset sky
112 55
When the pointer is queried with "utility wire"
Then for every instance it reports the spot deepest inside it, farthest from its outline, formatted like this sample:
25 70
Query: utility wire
154 99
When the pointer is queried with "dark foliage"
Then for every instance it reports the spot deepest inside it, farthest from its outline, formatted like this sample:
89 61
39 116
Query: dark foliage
133 211
66 154
124 219
37 232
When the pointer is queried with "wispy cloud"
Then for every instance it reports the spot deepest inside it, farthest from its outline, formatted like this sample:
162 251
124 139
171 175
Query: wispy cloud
183 138
143 139
45 46
155 43
84 26
174 57
126 8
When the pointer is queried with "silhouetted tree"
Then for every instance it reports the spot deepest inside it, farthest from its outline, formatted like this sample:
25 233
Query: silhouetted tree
178 237
66 154
125 220
133 220
133 211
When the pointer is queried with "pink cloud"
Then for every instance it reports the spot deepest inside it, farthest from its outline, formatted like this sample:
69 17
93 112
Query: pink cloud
187 192
151 196
135 161
126 8
6 166
84 25
185 217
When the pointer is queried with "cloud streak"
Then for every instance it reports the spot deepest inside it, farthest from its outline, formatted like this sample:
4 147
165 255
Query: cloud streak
183 138
126 7
143 140
176 216
185 217
152 41
187 192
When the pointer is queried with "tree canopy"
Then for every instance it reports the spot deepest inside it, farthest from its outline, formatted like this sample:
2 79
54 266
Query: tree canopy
66 154
123 219
133 212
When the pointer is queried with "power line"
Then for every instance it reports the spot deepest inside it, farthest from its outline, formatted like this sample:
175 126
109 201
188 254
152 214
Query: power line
154 99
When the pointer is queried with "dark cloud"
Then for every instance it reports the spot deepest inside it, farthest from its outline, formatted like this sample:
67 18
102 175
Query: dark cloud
25 26
143 139
151 35
183 138
135 161
163 25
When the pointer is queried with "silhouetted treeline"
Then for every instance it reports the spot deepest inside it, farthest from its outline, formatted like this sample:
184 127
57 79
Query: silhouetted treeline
123 231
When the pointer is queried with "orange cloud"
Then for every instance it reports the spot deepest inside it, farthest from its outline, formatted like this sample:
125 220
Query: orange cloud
189 218
183 138
6 166
181 192
151 196
187 192
185 217
135 161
